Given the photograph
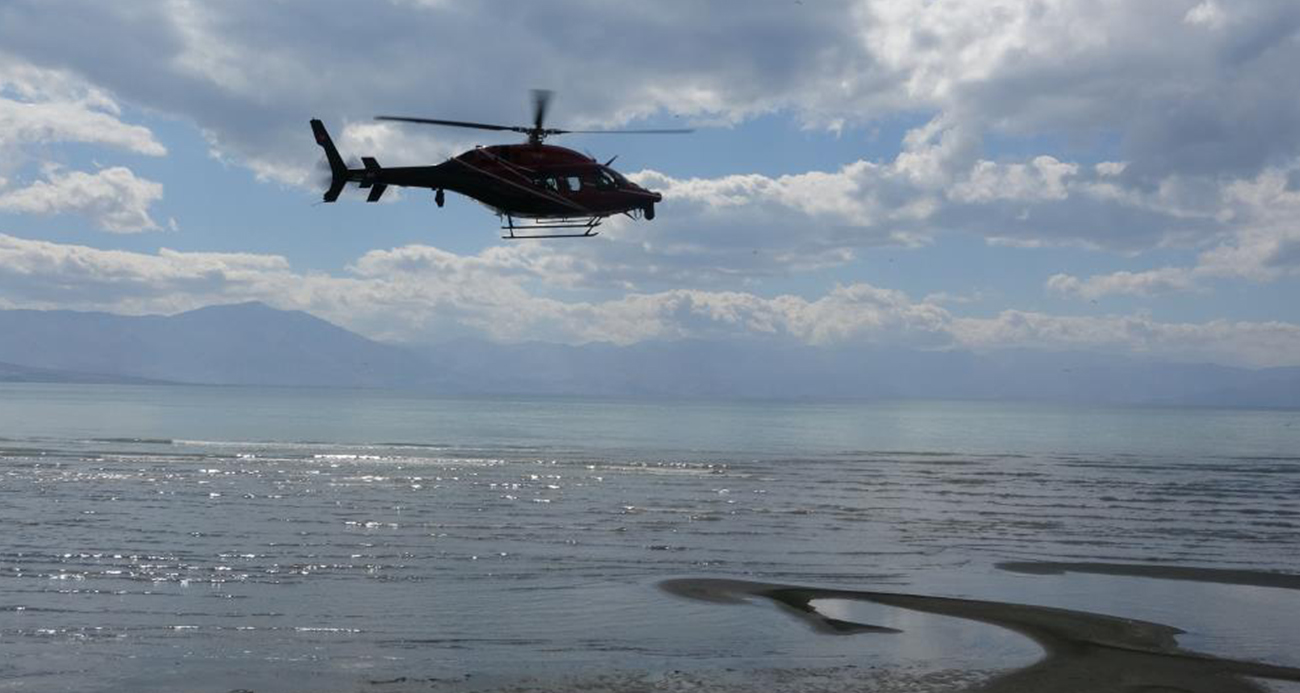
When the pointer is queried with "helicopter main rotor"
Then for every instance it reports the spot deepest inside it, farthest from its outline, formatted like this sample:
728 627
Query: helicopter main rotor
537 133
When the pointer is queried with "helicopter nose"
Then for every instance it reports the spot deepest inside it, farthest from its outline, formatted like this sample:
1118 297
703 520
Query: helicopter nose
658 196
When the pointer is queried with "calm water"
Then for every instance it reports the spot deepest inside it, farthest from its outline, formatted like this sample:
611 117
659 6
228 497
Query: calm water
204 539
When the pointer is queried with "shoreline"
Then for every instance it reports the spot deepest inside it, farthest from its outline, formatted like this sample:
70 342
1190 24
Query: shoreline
1083 652
1222 576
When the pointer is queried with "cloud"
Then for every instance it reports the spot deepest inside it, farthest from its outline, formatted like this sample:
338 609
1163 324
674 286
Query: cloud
1258 344
1210 100
1148 283
42 274
1044 124
246 73
43 106
492 293
1186 97
1209 96
1265 212
423 294
114 198
1261 217
1207 14
1044 178
714 230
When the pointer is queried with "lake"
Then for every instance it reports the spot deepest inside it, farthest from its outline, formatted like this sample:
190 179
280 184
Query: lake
274 539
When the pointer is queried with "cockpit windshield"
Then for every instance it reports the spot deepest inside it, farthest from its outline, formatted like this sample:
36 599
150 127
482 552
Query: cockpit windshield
610 179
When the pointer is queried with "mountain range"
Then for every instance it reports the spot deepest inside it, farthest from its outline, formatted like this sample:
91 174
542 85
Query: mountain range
254 344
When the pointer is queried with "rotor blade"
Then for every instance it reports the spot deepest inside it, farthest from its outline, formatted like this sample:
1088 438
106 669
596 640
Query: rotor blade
541 102
453 123
669 131
322 175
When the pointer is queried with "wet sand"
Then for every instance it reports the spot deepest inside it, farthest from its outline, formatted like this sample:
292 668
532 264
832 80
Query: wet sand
1222 576
1084 652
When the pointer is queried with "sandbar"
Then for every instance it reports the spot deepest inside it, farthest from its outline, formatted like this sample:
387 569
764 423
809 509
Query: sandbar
1083 652
1223 576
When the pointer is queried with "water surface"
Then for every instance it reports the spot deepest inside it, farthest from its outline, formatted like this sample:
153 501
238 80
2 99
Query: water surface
204 538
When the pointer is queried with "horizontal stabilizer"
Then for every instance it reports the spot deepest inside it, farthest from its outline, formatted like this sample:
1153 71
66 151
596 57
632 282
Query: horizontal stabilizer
376 191
372 171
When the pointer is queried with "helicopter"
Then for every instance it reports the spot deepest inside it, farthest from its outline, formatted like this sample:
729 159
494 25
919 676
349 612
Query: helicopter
560 192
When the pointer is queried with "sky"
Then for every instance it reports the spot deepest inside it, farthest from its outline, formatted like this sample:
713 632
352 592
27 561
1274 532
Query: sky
1070 175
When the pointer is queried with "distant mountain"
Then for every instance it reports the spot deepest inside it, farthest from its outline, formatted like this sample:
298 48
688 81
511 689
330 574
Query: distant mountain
784 371
1271 387
252 343
248 343
12 373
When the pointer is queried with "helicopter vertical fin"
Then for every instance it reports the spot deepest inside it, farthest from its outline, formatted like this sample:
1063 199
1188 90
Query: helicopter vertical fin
338 169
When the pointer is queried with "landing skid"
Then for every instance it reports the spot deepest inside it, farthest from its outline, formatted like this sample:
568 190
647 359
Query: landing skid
588 224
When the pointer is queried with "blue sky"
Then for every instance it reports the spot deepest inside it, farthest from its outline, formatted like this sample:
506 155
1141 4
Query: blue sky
1063 175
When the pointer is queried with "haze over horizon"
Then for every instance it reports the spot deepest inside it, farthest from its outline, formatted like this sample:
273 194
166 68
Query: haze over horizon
254 344
1011 175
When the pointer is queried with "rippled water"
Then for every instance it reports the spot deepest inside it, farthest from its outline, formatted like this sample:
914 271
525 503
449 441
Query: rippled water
188 539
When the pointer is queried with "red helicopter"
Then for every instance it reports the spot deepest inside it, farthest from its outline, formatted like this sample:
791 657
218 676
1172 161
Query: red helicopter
556 188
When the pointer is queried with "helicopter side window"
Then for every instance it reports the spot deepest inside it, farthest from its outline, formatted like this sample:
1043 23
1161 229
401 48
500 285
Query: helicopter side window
550 183
575 183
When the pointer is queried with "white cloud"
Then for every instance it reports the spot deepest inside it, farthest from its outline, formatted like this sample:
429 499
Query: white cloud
1208 14
420 294
41 274
710 225
1044 178
1110 168
942 297
1148 283
1265 212
1179 99
1261 216
114 198
1183 108
42 106
1258 344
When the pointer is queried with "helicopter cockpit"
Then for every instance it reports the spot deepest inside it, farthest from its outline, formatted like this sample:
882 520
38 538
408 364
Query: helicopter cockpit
595 179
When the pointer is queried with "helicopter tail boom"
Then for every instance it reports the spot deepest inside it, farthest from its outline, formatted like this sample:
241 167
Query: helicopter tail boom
338 169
